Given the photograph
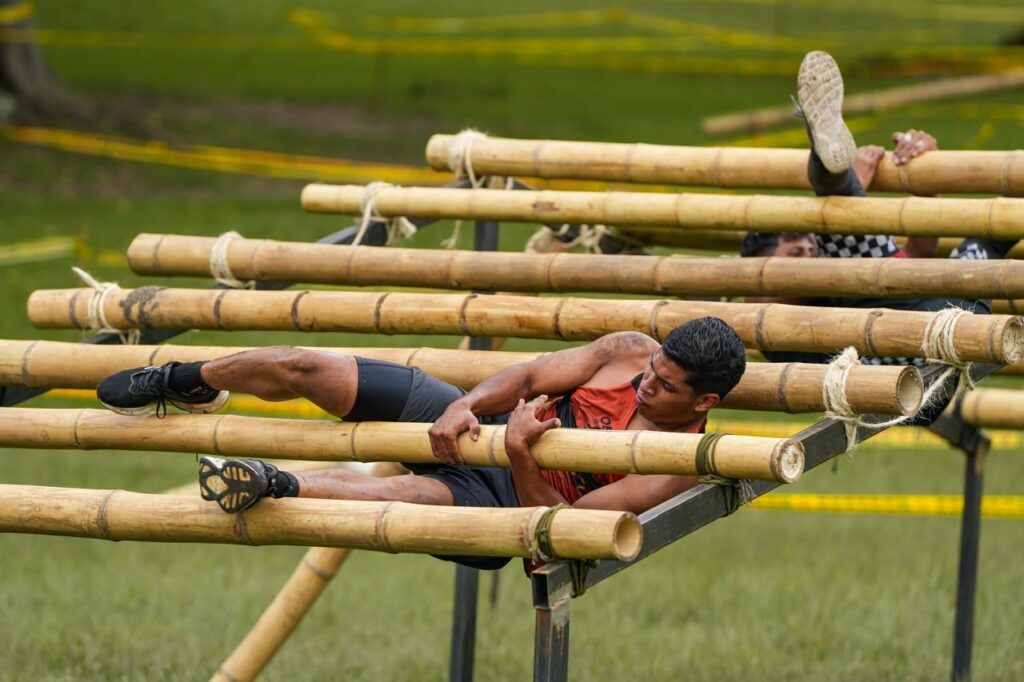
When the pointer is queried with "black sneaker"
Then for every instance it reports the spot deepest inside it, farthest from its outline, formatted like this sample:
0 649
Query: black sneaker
234 484
143 389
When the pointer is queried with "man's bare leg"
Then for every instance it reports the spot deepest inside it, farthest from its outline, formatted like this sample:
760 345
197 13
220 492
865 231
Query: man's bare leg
329 380
339 484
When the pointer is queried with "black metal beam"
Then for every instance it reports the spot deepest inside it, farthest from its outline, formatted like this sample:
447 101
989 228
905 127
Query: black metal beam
704 503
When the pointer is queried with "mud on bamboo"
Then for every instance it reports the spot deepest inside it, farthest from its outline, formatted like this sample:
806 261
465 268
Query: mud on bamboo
269 260
881 332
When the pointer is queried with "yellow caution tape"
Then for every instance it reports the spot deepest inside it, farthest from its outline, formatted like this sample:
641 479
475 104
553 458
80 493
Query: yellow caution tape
37 250
15 13
992 506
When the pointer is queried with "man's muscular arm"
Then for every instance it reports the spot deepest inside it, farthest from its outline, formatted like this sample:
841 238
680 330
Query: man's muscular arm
550 374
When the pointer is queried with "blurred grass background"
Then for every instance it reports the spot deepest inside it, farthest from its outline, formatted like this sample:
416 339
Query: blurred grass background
763 594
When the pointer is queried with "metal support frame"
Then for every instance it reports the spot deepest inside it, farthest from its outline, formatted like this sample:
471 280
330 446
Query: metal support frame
975 445
688 512
467 579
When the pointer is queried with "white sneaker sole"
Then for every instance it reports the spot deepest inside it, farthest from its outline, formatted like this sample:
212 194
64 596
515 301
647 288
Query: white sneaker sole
194 408
820 92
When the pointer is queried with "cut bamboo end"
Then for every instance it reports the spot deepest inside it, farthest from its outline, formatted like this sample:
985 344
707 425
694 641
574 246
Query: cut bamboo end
1011 341
909 391
788 461
628 538
994 408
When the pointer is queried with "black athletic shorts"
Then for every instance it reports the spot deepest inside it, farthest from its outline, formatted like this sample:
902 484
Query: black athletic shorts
391 392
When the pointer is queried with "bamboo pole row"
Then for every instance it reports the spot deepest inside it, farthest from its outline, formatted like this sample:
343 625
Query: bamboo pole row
938 172
270 260
310 578
767 326
637 452
780 387
379 526
888 98
994 408
999 218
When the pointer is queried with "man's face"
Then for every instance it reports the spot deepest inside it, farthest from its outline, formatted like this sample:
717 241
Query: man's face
805 246
665 398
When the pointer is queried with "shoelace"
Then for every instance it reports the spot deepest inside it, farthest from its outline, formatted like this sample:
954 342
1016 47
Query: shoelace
152 380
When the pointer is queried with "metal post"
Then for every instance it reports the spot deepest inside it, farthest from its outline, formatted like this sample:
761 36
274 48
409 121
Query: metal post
467 581
552 596
967 578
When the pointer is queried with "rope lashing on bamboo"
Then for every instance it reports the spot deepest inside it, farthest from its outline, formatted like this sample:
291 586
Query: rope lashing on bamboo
938 346
95 310
460 156
398 227
219 268
737 491
541 548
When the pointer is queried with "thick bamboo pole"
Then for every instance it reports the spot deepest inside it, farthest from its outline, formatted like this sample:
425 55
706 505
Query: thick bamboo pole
379 526
638 452
778 387
768 326
870 101
940 172
994 408
269 260
310 578
999 218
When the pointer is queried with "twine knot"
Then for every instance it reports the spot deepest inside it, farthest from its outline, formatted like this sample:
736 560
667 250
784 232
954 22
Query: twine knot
398 227
219 268
460 156
95 308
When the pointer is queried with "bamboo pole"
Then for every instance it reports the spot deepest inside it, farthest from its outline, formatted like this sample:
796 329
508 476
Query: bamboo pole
637 452
778 387
993 408
730 240
938 172
768 326
270 260
310 578
869 101
380 526
999 218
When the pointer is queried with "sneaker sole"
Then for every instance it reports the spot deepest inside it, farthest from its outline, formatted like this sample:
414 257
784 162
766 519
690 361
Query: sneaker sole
194 408
233 484
820 92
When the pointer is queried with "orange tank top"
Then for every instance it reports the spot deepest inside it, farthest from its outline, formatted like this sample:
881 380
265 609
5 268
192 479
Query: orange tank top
595 408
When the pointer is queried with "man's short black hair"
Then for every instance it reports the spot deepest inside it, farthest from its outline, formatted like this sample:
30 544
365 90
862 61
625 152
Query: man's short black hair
710 351
764 243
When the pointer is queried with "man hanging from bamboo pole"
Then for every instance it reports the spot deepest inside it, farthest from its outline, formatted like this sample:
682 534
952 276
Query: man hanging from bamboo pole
624 380
836 167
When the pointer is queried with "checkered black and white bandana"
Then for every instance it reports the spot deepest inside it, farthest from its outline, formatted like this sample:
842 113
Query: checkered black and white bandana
856 245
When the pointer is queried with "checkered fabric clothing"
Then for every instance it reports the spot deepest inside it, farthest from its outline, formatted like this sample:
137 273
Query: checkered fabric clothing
970 250
916 362
857 245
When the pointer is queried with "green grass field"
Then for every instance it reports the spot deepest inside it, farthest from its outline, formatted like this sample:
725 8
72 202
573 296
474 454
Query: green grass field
762 595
